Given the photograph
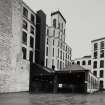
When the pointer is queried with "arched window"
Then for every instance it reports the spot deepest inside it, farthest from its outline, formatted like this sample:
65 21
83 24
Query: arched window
95 73
54 23
102 64
83 63
78 62
89 62
95 64
101 84
101 73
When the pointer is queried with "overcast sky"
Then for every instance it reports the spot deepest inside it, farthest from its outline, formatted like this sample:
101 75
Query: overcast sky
85 21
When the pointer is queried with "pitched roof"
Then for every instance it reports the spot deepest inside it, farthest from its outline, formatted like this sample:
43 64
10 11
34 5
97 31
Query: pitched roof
58 12
98 39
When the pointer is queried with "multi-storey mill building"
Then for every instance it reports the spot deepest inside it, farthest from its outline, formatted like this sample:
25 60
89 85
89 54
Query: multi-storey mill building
98 60
17 45
95 62
57 52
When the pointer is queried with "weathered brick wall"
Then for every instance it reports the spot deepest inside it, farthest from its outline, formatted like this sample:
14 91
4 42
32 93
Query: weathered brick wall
14 71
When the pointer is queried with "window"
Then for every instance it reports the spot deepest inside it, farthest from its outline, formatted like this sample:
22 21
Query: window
58 43
58 25
46 51
61 45
53 32
47 31
24 38
31 56
54 23
59 35
53 42
58 64
102 64
95 46
52 62
95 55
62 26
46 62
63 65
101 53
32 18
32 30
66 55
101 84
95 64
47 40
24 52
31 42
83 63
58 53
53 52
66 48
25 24
64 31
101 73
70 52
95 73
63 57
102 45
89 62
78 62
25 12
70 58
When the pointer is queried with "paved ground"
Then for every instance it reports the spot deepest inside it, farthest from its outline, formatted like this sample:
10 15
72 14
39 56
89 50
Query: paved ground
52 99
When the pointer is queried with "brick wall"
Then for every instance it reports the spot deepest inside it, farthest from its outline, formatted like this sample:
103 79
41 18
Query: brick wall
14 71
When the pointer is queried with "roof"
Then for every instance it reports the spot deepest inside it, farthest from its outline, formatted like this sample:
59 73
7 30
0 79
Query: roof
37 69
58 12
84 57
87 56
98 39
75 67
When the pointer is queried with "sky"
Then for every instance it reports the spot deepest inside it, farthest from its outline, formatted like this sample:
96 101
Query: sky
85 21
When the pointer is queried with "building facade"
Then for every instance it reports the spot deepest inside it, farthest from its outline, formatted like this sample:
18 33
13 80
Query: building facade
25 39
85 62
98 60
57 52
17 45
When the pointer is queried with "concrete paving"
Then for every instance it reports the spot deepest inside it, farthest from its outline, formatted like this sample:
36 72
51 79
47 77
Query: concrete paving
52 99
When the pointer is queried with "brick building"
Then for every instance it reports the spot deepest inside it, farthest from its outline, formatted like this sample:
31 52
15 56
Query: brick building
17 48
